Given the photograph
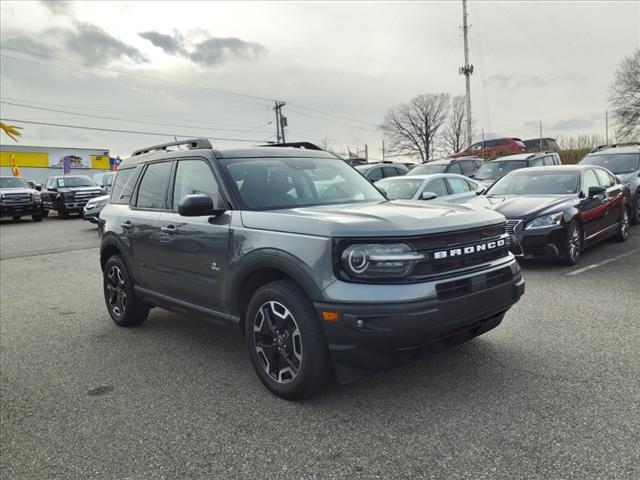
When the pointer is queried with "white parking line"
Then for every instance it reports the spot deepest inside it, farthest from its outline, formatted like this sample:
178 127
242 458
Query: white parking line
604 262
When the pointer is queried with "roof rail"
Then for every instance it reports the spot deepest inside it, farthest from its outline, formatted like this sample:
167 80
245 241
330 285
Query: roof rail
304 145
616 145
193 144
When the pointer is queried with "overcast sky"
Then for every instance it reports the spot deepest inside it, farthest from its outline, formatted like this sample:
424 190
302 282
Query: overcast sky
549 61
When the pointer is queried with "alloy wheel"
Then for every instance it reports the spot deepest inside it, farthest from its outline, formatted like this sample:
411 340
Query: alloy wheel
638 207
277 342
116 293
624 225
575 243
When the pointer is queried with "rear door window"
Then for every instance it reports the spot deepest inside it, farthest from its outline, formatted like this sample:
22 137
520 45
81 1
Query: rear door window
375 174
437 186
468 167
458 185
153 186
590 180
454 168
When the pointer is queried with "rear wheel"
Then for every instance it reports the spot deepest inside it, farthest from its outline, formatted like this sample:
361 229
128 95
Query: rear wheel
285 341
623 234
124 307
573 244
45 213
16 217
37 218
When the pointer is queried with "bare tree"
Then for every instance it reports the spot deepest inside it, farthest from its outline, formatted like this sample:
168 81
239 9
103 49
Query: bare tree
411 128
454 133
625 98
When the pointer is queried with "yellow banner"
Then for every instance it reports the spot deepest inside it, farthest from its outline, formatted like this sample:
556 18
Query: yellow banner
14 167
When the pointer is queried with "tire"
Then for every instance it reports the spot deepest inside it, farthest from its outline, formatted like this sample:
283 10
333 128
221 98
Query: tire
36 218
125 308
286 342
17 217
623 233
635 209
45 213
573 244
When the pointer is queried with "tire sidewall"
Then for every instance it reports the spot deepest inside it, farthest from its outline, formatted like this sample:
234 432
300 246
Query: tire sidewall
567 258
310 332
124 320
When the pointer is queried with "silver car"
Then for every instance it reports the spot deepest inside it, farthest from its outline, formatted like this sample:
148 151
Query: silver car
446 187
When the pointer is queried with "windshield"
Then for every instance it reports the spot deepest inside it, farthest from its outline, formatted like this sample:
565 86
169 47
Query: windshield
536 183
80 181
400 188
13 182
296 182
429 169
493 170
616 162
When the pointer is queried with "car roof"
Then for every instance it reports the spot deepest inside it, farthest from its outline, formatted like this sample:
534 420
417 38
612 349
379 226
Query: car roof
608 150
555 168
522 156
426 176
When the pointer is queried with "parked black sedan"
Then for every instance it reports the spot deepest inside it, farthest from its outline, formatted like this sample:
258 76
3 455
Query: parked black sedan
559 211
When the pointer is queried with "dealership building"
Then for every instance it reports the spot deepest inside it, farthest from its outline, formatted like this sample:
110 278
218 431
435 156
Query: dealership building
39 163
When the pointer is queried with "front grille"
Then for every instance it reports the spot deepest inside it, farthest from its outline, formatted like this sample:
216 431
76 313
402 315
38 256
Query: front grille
84 196
511 226
16 198
466 286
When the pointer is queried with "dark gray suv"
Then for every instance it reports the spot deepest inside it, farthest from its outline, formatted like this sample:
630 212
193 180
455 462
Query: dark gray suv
321 273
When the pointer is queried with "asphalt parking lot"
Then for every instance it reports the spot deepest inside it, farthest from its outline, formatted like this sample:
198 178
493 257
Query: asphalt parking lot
553 392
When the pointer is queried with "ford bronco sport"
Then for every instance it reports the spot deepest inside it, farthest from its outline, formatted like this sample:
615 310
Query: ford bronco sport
321 272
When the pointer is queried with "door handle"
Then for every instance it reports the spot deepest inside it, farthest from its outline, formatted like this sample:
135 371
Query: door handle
170 229
127 225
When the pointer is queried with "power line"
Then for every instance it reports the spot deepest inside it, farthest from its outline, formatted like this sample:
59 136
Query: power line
81 127
164 80
101 117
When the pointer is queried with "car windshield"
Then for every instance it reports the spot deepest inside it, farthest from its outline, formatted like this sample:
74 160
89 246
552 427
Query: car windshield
275 183
429 169
536 183
616 162
400 188
493 170
80 181
13 182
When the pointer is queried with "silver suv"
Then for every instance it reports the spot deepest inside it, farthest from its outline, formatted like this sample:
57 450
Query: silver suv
321 273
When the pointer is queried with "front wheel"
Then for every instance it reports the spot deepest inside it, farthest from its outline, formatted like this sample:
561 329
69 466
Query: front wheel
286 342
623 233
16 217
125 308
36 218
573 244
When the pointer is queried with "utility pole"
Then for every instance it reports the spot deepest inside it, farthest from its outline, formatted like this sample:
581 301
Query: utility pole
606 123
366 152
281 121
383 150
467 69
540 135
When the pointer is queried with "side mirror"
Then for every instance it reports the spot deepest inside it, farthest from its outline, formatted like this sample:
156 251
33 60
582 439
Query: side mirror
38 187
428 196
596 191
198 205
480 190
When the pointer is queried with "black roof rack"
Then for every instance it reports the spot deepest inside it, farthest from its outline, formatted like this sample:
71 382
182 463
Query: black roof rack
616 145
304 145
193 144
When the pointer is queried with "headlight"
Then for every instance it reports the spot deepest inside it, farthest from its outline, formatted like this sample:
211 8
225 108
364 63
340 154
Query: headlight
379 260
545 221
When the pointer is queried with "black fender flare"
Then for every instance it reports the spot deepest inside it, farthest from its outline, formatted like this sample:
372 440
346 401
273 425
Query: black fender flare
276 260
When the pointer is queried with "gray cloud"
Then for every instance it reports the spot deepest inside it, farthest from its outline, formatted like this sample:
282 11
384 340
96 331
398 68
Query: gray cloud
57 7
22 42
170 44
519 81
94 45
211 51
214 51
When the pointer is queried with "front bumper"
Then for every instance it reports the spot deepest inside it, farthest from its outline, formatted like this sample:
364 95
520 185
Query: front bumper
10 210
370 336
92 215
542 243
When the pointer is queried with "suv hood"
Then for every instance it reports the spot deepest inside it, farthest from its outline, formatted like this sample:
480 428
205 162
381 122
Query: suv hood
372 219
516 206
79 189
